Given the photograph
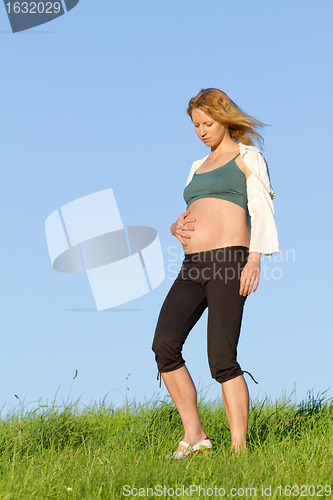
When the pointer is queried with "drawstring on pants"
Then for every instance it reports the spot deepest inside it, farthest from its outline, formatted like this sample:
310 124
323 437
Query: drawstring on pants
159 377
244 371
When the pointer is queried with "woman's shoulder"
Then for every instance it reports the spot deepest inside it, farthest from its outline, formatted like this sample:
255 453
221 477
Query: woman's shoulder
247 147
252 151
253 157
257 163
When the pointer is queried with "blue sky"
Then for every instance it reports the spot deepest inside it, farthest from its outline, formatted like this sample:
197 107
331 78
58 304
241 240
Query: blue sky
97 99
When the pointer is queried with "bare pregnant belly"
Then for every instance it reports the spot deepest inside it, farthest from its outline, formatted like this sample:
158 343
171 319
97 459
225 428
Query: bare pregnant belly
219 223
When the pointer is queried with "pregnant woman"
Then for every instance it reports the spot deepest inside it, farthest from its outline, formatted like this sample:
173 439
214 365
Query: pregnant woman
229 222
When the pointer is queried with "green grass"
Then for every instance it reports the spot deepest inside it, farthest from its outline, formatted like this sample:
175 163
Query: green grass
99 450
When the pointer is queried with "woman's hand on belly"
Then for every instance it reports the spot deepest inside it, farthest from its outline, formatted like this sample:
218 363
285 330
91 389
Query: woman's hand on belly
181 227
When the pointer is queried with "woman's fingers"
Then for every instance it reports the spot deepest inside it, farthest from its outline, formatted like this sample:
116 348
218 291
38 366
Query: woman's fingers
256 283
181 226
243 284
183 220
185 214
181 238
249 279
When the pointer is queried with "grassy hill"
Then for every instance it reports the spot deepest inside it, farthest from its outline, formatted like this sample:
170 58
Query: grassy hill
108 453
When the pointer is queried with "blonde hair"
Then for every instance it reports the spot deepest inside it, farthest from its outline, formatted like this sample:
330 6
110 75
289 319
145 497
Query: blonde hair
217 105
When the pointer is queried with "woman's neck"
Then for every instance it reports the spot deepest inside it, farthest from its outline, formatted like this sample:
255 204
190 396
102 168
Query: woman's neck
227 145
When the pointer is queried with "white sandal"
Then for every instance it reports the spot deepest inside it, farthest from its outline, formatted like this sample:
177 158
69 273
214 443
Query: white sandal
204 445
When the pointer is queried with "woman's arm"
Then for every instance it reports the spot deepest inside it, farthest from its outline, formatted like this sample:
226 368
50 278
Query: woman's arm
264 238
263 235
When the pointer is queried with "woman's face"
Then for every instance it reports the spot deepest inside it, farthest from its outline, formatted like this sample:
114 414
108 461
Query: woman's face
208 130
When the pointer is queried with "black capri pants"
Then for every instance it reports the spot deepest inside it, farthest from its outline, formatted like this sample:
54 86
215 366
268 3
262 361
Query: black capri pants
206 279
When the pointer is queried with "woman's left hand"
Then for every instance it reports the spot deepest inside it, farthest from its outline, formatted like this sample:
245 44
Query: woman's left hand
250 274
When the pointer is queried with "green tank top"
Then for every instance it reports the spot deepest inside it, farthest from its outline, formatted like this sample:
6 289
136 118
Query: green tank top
227 182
